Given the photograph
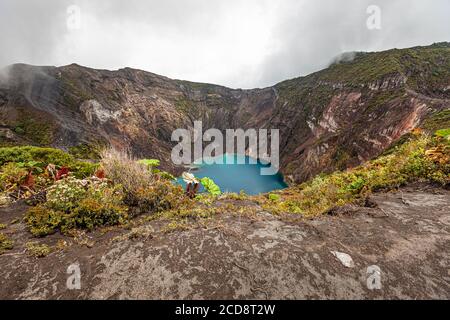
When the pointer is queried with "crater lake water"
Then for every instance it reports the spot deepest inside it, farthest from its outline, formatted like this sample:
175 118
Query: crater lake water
233 177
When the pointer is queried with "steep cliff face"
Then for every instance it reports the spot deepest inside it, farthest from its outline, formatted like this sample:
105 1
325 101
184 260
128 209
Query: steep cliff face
332 119
352 111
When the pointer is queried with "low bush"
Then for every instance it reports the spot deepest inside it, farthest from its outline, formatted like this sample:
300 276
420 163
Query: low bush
123 187
66 193
38 250
30 153
122 169
91 213
73 203
150 163
5 243
102 207
27 171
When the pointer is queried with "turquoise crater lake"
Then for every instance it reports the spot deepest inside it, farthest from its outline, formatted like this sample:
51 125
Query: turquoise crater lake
233 177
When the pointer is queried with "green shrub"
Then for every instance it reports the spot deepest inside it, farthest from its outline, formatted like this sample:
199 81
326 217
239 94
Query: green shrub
274 197
43 221
144 191
356 184
86 151
420 158
82 169
5 243
236 196
38 250
164 175
150 163
103 206
43 156
66 193
162 195
444 133
122 169
73 203
92 212
30 153
210 186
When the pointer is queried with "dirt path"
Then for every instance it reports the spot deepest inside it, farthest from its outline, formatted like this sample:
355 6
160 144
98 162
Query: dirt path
407 238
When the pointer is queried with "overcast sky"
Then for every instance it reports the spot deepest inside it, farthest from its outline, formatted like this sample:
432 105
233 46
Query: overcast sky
245 43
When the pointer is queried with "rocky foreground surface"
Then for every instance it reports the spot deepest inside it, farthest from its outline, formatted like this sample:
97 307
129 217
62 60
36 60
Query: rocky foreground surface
406 234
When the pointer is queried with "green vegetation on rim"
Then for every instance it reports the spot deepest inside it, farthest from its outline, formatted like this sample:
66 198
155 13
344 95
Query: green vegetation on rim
77 204
437 121
423 158
132 188
32 126
189 107
45 156
38 250
38 132
365 68
210 186
5 243
73 92
423 66
124 188
444 133
89 151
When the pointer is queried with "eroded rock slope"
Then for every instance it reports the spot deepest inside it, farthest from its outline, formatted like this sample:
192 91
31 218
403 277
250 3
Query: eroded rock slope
332 119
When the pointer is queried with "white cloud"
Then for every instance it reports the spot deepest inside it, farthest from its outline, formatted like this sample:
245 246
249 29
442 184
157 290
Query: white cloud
251 43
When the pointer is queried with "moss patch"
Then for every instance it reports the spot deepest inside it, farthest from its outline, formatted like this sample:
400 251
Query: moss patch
38 250
86 151
5 243
45 156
